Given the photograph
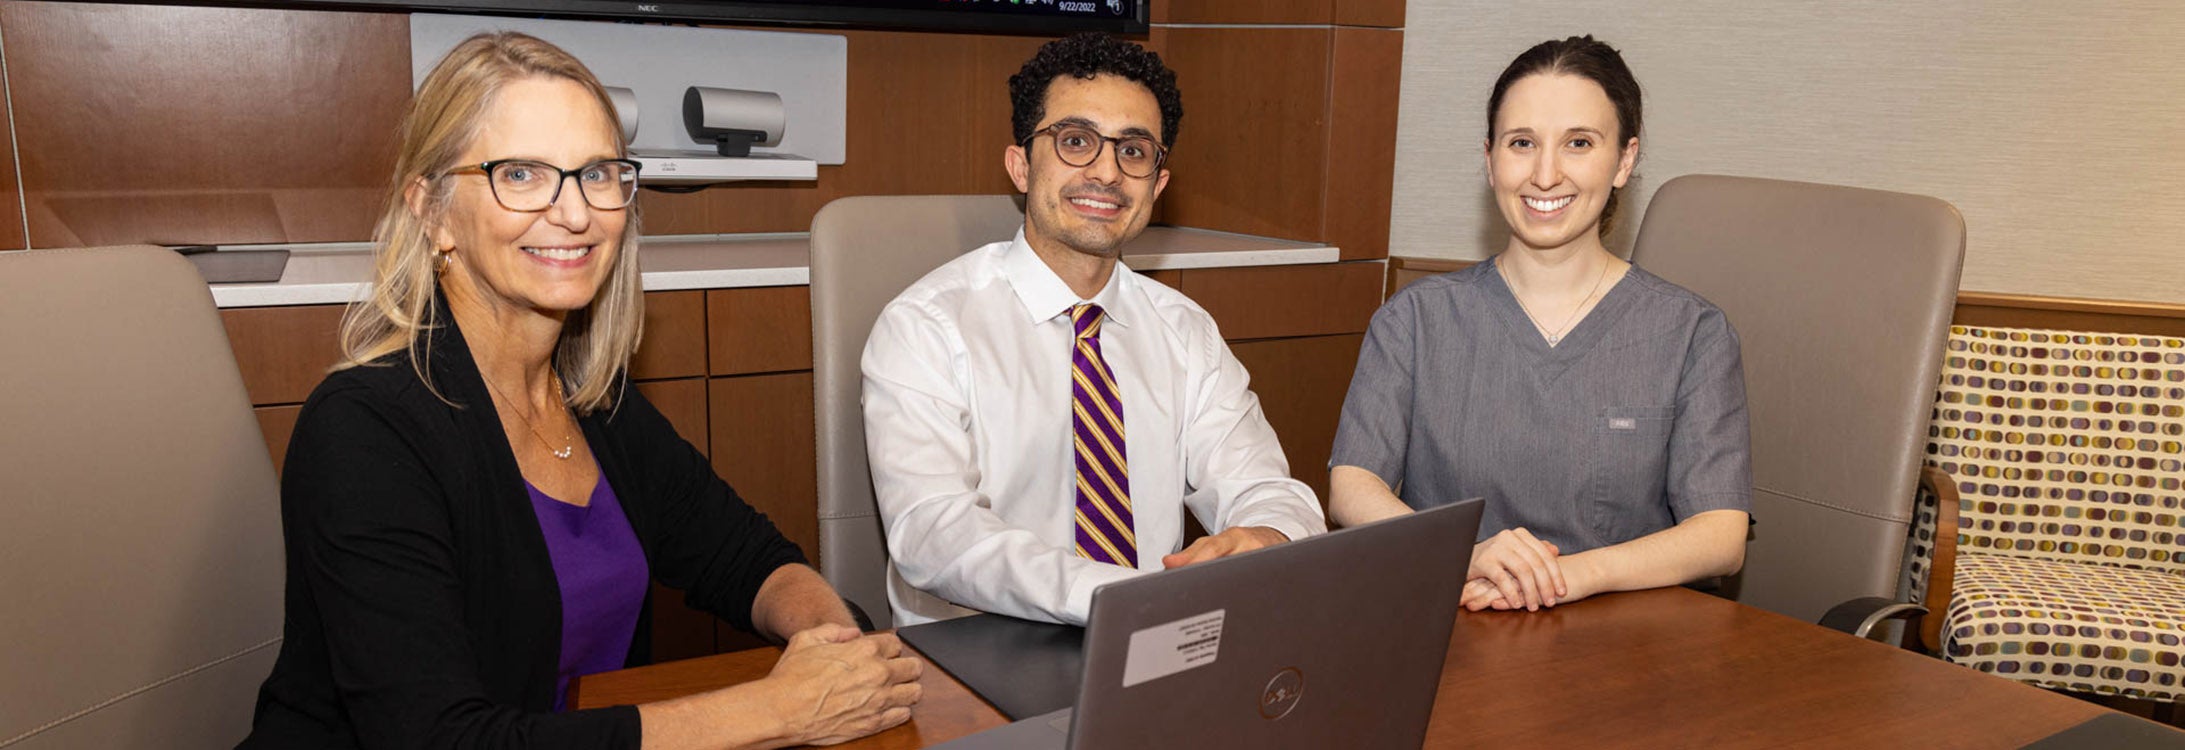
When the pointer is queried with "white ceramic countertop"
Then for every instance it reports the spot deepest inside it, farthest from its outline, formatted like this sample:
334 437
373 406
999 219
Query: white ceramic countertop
337 273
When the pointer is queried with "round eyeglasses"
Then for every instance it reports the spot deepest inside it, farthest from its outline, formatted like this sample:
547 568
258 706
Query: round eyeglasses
1077 145
531 186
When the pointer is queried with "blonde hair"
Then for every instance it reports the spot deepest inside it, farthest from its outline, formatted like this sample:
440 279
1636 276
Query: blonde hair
597 341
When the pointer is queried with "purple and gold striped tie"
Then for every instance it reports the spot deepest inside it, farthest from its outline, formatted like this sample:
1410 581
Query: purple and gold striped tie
1104 531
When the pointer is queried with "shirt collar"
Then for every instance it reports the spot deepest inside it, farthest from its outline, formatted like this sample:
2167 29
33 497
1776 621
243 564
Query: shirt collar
1045 296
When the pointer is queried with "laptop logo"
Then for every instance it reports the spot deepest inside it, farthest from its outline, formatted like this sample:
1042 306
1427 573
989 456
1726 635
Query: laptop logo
1282 694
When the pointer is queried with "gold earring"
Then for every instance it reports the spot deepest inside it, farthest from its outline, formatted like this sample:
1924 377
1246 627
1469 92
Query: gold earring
440 262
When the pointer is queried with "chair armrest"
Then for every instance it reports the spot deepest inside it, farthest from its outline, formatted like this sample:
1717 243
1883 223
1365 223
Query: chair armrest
1942 565
1859 616
857 613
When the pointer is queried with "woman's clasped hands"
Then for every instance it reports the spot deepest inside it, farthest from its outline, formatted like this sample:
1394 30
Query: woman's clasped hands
1515 570
834 684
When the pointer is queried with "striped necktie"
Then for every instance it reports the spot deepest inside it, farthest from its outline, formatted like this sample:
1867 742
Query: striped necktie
1104 530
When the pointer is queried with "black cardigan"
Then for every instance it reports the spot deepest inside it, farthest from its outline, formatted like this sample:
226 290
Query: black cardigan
422 607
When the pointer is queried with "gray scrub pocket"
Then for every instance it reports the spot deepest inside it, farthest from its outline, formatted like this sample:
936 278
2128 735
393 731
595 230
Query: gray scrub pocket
1630 463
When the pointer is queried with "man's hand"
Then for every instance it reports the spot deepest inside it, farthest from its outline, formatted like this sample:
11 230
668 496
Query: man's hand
1230 542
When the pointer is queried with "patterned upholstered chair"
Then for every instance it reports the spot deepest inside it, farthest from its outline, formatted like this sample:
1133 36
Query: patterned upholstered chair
2056 458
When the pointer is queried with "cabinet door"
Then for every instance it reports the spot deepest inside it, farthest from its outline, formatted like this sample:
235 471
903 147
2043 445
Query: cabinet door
1282 301
679 632
675 337
761 329
683 402
763 444
276 423
1300 383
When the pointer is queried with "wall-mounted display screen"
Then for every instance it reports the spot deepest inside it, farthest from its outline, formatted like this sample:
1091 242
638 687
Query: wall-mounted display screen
1010 16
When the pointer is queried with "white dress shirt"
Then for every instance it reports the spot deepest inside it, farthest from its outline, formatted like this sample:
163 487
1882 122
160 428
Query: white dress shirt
968 431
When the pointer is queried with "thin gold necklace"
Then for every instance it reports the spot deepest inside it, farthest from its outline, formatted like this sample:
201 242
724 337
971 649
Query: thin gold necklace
568 446
1556 336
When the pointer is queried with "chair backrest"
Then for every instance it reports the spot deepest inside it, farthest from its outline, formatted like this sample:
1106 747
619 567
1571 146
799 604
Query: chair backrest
2065 446
141 553
1841 297
866 250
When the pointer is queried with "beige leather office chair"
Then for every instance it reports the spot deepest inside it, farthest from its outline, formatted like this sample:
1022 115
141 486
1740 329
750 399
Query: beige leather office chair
1841 297
865 250
141 548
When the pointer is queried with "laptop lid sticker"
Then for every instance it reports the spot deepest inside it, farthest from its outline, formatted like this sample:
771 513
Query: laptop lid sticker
1172 647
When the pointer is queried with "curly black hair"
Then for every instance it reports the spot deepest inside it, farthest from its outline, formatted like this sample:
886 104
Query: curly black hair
1085 56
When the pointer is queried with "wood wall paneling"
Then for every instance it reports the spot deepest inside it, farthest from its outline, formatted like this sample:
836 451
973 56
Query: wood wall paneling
759 329
2066 314
1283 301
1244 11
1252 153
1367 78
1973 308
209 142
170 124
1402 271
283 351
675 337
1385 13
276 423
1382 13
1301 383
12 236
763 444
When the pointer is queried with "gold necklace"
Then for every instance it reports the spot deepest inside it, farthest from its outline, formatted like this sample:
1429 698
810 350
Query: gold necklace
1556 336
568 446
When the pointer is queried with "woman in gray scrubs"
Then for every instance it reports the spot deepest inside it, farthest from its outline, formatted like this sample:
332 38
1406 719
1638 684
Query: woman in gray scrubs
1598 408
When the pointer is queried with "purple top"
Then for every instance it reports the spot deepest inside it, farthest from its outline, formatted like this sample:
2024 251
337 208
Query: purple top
603 580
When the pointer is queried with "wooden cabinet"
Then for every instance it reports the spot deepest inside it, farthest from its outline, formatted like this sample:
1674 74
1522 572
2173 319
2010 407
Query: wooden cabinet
1287 301
761 329
283 351
764 445
683 402
675 337
1300 383
276 423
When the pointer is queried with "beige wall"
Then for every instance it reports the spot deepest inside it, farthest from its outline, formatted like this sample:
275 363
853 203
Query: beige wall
2058 128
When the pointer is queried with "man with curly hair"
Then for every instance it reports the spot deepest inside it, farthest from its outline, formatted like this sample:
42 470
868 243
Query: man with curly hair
1037 415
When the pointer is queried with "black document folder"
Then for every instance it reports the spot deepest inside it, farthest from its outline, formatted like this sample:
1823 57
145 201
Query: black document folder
2114 732
1023 668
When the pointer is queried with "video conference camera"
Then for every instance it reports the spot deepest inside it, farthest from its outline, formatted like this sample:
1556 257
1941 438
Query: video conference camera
732 119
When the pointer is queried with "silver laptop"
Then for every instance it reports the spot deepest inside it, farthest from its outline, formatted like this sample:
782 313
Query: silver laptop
1334 641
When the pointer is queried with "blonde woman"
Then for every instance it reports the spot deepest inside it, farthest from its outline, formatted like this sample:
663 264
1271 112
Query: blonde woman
474 501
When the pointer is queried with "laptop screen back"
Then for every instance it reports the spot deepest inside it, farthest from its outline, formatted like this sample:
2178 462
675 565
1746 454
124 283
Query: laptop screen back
1333 641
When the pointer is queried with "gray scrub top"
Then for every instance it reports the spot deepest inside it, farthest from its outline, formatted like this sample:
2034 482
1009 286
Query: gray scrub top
1635 422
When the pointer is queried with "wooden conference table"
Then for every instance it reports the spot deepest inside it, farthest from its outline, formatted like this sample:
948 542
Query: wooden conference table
1663 668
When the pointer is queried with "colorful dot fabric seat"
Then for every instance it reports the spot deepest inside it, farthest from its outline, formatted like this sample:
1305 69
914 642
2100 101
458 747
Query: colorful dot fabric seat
2066 452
